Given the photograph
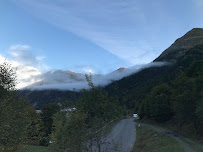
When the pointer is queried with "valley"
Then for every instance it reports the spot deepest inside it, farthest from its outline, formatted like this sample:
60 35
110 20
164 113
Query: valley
169 90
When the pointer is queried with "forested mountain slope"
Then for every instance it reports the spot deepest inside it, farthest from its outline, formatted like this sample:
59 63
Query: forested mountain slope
172 92
132 90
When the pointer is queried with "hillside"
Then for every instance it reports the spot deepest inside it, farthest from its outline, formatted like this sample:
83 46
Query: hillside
39 98
172 93
131 90
182 45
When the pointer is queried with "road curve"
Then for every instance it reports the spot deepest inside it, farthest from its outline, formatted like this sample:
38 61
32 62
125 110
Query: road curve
121 138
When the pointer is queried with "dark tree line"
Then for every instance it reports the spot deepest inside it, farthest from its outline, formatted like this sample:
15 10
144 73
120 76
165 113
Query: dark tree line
181 99
172 92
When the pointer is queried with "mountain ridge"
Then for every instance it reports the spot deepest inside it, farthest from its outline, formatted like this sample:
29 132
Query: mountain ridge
191 39
132 89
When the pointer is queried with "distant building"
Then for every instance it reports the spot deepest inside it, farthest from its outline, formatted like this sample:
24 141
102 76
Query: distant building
69 109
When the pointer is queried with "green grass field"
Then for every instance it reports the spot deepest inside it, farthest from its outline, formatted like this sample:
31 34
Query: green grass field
149 140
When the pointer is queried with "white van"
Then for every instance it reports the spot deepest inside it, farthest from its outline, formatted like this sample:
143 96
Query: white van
135 115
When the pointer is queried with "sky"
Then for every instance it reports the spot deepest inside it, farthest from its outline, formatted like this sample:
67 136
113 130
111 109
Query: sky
84 36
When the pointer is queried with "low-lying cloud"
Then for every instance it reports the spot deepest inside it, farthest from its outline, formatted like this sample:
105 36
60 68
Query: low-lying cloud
32 73
66 80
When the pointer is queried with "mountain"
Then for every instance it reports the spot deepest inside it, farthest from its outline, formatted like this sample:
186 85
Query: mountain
182 45
68 80
66 84
132 90
39 98
57 77
129 85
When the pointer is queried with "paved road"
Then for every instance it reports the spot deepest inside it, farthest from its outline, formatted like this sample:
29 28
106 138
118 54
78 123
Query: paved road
121 138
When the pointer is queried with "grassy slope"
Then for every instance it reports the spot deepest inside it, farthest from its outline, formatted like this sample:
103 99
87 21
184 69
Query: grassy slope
182 130
149 140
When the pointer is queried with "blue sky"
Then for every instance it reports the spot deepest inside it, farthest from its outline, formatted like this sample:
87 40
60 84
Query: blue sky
89 35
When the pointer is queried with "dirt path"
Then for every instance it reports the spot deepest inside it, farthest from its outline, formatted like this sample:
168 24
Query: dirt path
177 137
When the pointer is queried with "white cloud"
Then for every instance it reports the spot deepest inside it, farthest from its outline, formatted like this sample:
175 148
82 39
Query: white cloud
199 8
87 69
23 55
66 80
2 59
31 74
129 29
112 25
199 3
28 66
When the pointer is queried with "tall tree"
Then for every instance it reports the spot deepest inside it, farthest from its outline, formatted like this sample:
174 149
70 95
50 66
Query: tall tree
7 79
13 112
69 132
157 104
47 114
36 132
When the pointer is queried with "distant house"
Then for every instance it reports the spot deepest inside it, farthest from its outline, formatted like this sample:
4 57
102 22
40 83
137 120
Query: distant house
69 109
